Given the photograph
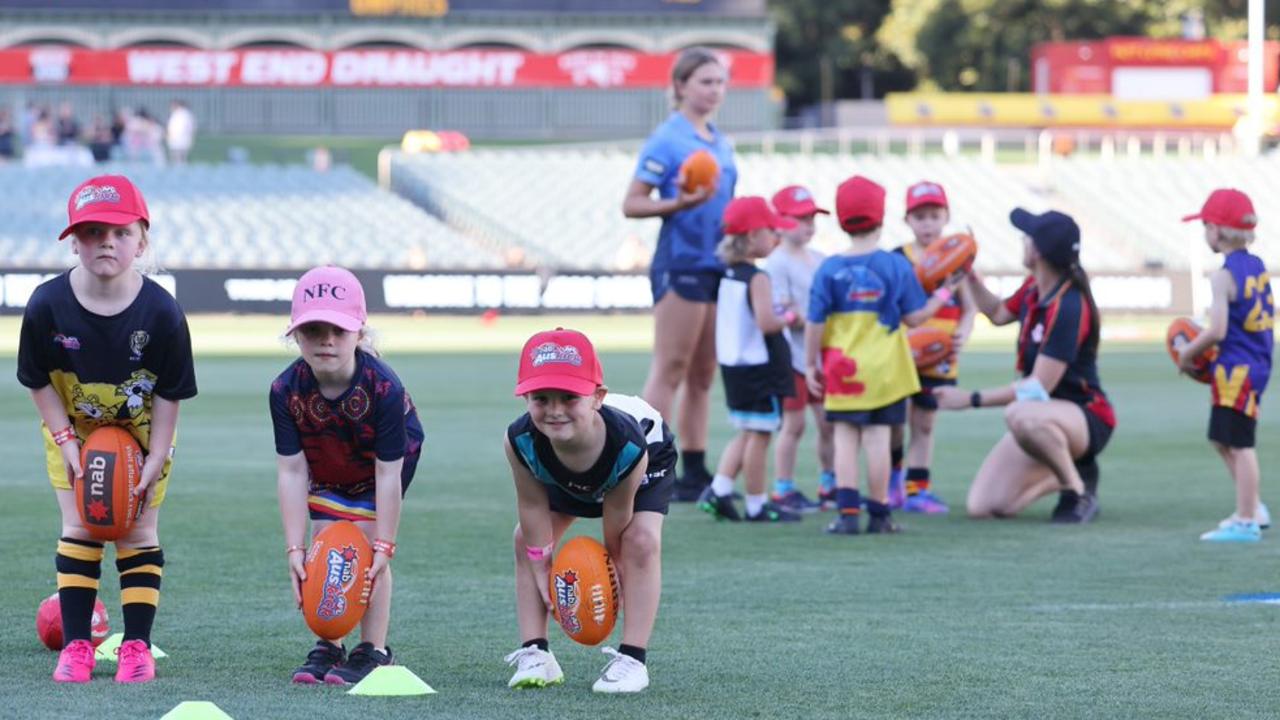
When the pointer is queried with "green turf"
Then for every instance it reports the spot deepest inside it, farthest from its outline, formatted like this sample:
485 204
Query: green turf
956 618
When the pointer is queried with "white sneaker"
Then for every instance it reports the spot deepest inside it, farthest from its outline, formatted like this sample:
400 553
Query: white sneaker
1262 517
534 668
623 674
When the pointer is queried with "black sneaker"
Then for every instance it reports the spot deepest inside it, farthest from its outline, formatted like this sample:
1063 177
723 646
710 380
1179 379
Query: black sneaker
719 507
320 661
772 512
883 526
359 663
688 488
844 525
1075 509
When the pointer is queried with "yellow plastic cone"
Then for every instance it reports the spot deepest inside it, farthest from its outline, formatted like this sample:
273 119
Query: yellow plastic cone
106 652
196 710
390 680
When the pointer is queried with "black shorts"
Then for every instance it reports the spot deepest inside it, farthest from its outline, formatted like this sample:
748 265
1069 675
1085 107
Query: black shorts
1232 428
699 286
653 495
1099 435
925 399
891 414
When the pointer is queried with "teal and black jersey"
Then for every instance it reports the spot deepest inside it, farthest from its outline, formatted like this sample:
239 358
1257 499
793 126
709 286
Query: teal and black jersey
629 436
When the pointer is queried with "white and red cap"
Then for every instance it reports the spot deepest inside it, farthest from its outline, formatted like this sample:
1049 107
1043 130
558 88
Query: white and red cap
328 294
110 199
796 201
926 193
559 360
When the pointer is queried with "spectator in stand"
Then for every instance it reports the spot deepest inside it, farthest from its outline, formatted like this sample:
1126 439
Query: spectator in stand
119 118
181 132
101 142
43 133
6 136
67 127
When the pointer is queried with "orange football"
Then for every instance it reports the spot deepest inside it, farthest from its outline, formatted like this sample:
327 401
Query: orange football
944 258
1182 331
112 464
584 591
929 345
699 170
336 592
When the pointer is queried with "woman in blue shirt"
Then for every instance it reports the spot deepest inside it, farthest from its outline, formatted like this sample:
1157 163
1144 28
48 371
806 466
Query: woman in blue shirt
685 273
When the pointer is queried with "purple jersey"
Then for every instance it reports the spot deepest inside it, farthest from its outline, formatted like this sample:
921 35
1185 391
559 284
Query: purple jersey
373 420
1242 369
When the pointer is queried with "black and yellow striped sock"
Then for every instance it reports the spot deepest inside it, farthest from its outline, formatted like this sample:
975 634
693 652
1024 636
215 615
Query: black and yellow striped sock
79 565
140 570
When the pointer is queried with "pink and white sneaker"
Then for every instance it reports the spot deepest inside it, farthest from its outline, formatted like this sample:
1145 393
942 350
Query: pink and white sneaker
75 663
134 663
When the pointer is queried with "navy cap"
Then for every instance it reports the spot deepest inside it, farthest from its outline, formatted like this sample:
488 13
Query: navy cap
1055 235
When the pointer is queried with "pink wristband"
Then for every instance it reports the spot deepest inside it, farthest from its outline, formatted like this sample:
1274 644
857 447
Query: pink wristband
789 317
943 294
538 554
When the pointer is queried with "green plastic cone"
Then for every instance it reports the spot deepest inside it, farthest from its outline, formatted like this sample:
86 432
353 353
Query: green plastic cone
390 680
106 652
196 710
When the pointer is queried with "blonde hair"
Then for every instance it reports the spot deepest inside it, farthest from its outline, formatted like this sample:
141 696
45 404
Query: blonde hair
733 249
687 63
1234 236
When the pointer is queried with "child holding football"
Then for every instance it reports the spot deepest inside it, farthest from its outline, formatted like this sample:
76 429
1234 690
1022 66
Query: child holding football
755 361
790 268
581 452
347 441
856 351
101 344
1241 321
927 215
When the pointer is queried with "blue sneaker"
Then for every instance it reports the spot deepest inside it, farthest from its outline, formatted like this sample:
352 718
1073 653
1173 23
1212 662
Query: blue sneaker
897 488
795 501
1263 516
926 503
1234 532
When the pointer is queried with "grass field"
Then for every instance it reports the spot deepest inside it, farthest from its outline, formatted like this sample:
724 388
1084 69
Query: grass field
955 618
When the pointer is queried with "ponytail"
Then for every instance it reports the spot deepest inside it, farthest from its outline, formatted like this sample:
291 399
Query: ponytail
1080 279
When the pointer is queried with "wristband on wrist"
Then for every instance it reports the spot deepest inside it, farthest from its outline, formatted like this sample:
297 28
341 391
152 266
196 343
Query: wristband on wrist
293 548
943 294
386 547
64 436
789 317
538 554
975 399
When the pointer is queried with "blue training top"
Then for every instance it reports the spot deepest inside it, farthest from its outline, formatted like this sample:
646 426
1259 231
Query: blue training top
688 238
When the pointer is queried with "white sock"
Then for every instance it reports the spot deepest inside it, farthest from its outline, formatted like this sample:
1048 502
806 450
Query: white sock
755 503
722 485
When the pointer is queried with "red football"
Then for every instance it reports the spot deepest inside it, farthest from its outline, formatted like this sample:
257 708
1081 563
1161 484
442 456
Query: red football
112 464
1182 331
49 623
929 345
584 591
944 258
336 592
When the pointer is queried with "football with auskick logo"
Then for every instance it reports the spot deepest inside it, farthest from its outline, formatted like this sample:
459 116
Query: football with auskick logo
111 460
49 623
700 169
336 591
1182 331
944 258
583 587
929 345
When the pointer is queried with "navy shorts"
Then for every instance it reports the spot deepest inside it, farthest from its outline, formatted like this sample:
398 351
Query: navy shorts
925 399
1232 428
891 414
700 286
654 495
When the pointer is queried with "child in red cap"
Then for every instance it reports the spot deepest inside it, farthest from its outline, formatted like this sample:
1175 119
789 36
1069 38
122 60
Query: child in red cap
100 345
927 214
348 439
755 362
580 451
856 350
791 267
1241 321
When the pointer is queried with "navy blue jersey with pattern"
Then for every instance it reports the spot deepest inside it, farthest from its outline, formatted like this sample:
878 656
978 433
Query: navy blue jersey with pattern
374 419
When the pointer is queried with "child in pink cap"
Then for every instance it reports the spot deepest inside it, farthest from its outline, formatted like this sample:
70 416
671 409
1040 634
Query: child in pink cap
348 440
103 345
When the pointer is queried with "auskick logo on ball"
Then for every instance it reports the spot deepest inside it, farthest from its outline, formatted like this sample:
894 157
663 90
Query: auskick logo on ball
567 601
553 353
340 573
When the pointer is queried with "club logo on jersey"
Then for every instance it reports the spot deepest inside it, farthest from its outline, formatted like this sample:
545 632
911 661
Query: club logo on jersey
1037 333
866 295
137 341
90 194
68 342
654 166
550 352
566 586
340 573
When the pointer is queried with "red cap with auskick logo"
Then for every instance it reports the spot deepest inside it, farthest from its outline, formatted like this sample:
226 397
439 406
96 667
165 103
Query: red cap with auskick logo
559 360
109 199
926 193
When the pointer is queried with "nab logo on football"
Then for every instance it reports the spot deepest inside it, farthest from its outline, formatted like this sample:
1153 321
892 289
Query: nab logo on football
99 473
319 291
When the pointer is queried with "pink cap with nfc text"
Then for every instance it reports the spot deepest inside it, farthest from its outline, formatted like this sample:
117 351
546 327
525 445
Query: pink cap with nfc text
328 294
